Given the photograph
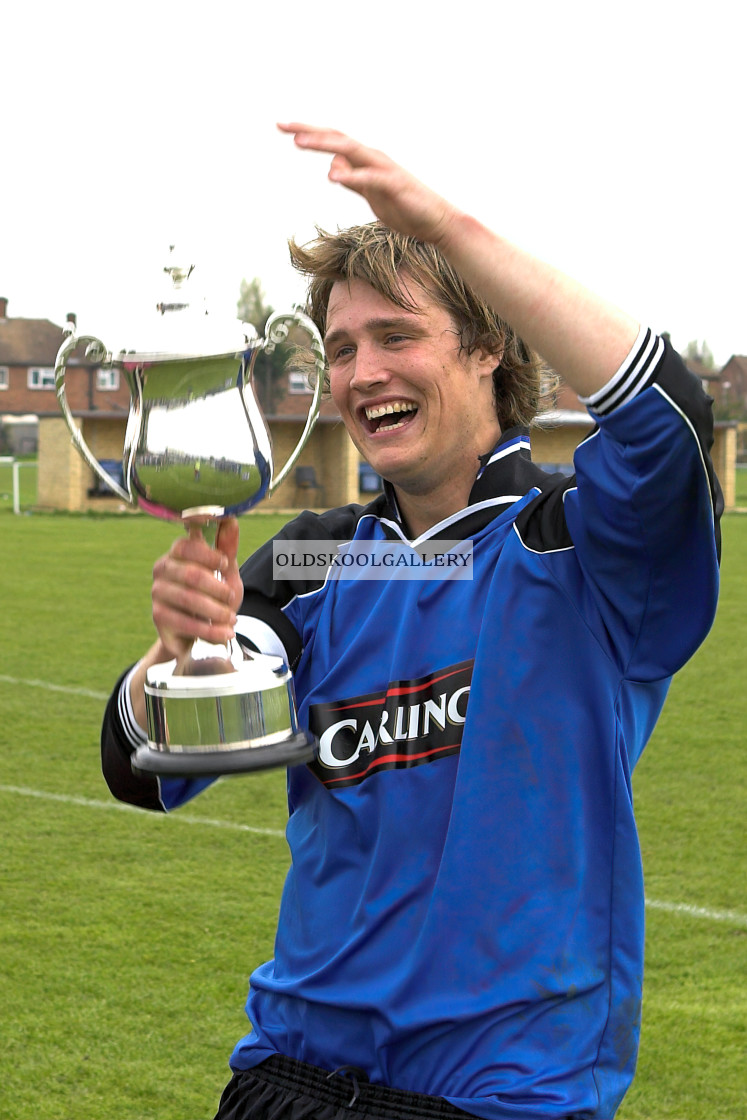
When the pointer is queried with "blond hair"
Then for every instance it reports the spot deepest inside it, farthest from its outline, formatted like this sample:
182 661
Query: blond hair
382 258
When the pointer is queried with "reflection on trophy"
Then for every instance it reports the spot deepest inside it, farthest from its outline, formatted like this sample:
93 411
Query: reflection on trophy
197 449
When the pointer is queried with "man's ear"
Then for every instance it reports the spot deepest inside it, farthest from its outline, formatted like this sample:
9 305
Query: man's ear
488 360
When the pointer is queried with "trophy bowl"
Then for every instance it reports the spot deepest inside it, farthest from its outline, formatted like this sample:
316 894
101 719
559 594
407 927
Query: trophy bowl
197 449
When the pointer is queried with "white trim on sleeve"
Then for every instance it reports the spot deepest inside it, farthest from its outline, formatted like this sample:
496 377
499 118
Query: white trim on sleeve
634 375
262 636
132 729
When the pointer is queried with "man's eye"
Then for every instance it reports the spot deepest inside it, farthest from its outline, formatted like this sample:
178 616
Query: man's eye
396 338
340 353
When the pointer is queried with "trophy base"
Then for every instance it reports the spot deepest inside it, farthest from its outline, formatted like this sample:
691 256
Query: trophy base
207 723
212 764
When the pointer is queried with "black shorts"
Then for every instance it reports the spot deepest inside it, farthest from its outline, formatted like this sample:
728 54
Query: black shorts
284 1089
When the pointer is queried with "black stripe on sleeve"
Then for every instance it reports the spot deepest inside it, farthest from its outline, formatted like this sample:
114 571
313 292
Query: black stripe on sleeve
637 373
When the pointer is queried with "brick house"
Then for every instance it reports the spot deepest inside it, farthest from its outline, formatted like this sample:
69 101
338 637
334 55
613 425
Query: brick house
28 351
28 348
732 392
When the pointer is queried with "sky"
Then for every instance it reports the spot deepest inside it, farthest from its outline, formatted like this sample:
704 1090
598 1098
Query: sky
606 138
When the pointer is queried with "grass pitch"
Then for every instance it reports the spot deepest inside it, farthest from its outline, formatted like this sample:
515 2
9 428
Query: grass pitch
126 939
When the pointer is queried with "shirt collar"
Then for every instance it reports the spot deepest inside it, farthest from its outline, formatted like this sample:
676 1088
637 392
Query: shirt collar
504 475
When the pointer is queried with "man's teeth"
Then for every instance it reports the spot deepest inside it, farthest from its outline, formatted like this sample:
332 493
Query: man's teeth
388 409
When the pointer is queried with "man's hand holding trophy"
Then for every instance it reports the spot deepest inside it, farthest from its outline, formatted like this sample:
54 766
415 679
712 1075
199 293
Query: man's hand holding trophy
197 449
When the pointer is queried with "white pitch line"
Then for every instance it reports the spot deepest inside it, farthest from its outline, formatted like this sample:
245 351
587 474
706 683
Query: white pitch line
731 917
48 686
184 818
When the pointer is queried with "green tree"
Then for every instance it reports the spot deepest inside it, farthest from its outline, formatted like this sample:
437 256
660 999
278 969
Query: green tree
700 354
269 372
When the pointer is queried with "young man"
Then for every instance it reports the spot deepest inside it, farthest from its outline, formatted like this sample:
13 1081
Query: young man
461 930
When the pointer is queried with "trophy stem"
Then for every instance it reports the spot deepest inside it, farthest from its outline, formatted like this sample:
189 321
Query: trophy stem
205 659
210 532
205 520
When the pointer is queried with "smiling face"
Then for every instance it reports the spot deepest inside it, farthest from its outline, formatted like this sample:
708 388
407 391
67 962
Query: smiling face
417 407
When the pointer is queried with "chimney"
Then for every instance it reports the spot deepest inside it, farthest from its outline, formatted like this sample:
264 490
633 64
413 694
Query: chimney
72 318
3 307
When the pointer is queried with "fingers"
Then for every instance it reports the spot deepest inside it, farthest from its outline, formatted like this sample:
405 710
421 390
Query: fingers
189 599
185 596
397 198
177 631
353 153
192 587
227 540
366 171
228 544
312 135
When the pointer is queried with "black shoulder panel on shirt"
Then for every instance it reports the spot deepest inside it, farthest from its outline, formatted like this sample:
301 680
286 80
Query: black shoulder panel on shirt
334 526
685 390
265 597
116 754
541 524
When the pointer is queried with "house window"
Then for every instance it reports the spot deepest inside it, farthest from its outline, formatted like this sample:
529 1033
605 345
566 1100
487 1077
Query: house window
107 380
297 382
4 377
41 379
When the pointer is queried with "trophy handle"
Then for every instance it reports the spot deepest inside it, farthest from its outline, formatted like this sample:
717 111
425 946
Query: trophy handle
276 331
98 352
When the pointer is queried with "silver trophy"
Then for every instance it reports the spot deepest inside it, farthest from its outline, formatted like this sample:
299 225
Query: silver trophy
197 449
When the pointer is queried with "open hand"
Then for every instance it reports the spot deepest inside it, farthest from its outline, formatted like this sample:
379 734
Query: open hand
397 198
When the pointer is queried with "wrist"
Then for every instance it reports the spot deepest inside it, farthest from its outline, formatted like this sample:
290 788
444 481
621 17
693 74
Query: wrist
455 229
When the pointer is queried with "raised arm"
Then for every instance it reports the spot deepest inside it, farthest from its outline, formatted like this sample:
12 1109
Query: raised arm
582 336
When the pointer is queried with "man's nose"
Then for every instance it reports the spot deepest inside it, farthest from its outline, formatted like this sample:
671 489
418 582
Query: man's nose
370 368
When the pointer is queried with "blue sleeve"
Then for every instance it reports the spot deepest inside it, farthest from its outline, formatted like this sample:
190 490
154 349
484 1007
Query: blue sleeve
643 518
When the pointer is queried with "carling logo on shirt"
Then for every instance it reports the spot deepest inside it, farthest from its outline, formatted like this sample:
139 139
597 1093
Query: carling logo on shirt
412 722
